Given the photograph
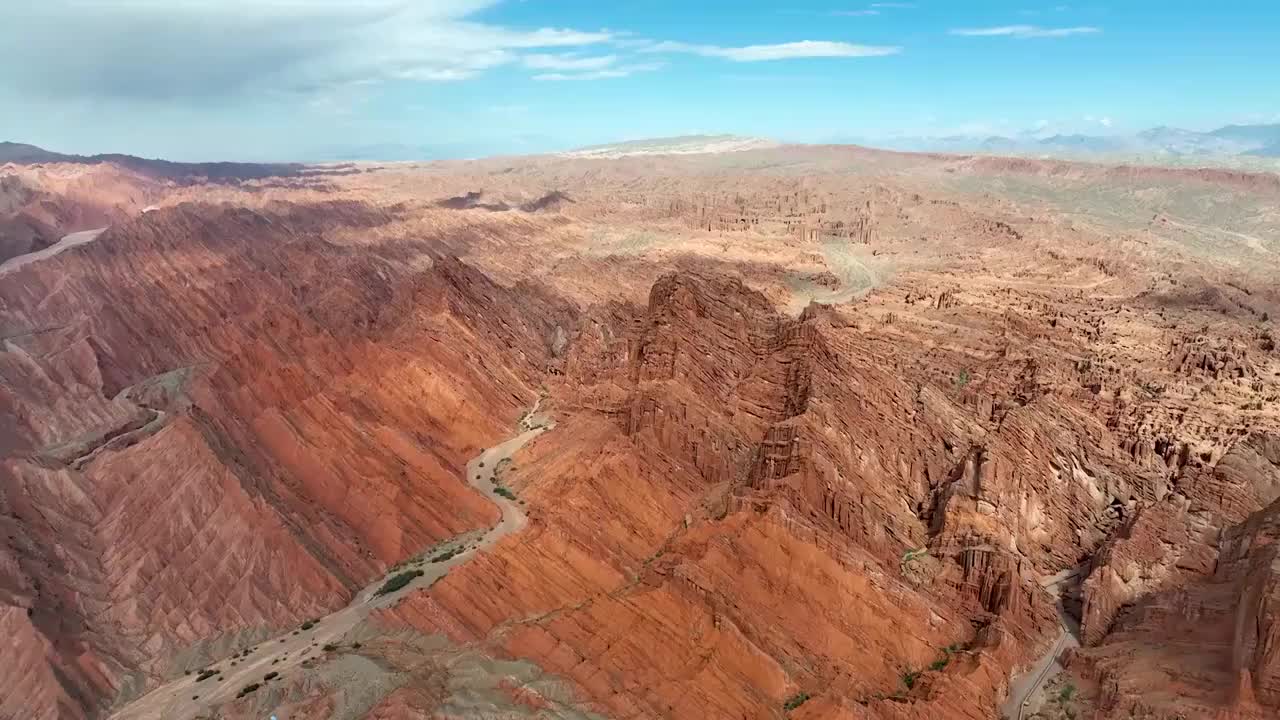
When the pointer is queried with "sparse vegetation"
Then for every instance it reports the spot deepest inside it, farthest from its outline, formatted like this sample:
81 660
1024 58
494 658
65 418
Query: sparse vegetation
251 687
446 555
205 675
1067 692
795 701
398 581
329 647
912 555
504 492
943 661
962 379
271 675
909 678
308 625
355 646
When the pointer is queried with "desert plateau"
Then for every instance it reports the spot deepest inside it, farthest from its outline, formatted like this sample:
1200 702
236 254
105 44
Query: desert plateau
769 431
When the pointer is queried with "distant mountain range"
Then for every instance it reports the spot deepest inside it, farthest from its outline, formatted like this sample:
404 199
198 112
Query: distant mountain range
23 154
1231 141
680 145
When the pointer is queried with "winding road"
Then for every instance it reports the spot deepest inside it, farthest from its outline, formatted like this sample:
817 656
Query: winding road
1024 687
856 277
186 697
66 243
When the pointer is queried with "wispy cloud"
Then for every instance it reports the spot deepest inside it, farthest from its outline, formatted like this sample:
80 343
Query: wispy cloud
873 9
215 51
567 62
205 49
778 51
1025 31
620 71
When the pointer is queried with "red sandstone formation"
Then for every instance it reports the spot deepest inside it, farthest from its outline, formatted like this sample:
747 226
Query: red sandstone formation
40 204
822 435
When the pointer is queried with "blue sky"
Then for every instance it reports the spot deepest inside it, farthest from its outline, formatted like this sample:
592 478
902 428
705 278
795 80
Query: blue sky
305 79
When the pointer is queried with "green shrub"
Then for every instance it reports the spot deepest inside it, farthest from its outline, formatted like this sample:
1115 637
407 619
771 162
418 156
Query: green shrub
398 581
1067 692
795 701
446 555
962 379
909 679
504 492
939 663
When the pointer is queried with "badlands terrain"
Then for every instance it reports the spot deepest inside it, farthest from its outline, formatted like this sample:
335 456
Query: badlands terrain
794 431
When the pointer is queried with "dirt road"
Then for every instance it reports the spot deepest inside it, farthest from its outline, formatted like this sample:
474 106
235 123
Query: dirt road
857 277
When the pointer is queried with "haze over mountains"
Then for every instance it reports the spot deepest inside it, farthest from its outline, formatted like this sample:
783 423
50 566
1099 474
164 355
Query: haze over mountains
1262 141
1232 145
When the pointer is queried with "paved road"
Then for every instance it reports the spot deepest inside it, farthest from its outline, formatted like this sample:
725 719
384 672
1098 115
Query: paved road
66 243
185 698
1022 689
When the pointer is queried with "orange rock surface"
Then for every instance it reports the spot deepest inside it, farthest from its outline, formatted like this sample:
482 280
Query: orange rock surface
827 421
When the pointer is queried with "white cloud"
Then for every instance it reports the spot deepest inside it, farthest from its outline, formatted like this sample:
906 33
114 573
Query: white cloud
779 51
616 72
212 52
189 49
1024 31
568 62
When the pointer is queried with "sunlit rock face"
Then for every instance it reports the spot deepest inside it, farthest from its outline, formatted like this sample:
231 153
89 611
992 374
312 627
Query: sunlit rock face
828 430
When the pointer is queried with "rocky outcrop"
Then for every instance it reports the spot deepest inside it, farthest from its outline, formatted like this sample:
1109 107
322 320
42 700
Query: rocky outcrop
227 417
293 395
1192 581
1218 362
1162 543
41 204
